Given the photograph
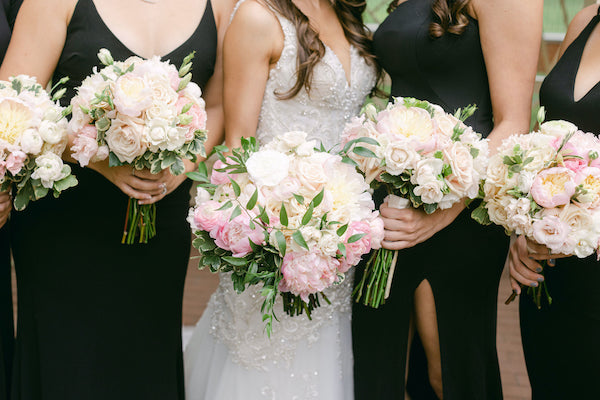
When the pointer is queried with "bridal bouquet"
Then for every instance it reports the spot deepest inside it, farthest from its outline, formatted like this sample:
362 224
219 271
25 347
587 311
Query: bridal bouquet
424 157
286 216
546 186
143 113
33 136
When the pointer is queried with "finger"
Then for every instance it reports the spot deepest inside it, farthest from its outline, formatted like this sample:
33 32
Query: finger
5 207
523 274
534 247
396 245
152 200
515 285
133 193
143 185
147 175
395 213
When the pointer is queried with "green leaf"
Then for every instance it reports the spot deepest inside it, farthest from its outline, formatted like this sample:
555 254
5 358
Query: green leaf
308 215
430 208
318 198
363 151
252 202
348 160
198 177
236 187
342 229
342 248
475 152
178 167
65 183
299 198
283 217
21 200
237 211
113 160
438 154
281 242
235 261
298 238
228 204
480 214
356 237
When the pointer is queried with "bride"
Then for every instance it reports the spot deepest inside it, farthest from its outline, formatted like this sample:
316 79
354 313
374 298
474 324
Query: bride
289 65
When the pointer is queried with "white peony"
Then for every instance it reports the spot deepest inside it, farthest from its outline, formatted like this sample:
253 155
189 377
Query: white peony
31 142
268 167
52 132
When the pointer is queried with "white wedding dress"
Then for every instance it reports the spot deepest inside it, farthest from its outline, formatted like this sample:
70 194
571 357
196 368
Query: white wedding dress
229 356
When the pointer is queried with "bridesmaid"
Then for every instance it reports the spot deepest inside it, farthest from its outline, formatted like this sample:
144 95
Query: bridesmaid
452 53
560 341
8 12
97 319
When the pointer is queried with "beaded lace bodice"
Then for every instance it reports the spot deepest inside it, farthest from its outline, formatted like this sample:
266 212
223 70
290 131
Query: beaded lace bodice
322 114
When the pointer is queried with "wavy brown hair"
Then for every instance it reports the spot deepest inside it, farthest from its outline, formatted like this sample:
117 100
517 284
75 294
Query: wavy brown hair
311 49
452 16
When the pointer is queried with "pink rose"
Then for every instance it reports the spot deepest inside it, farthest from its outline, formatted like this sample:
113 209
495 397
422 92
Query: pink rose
207 218
15 161
551 231
553 187
355 250
197 113
235 236
174 79
307 273
84 148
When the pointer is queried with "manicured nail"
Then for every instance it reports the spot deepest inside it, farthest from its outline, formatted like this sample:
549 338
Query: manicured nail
552 262
540 279
538 269
534 284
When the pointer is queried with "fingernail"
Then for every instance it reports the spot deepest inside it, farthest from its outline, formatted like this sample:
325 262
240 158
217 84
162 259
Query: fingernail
540 279
552 262
538 269
534 284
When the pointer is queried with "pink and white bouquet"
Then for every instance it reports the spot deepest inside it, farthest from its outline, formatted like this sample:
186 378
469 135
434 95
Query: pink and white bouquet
546 185
424 157
288 216
143 113
33 136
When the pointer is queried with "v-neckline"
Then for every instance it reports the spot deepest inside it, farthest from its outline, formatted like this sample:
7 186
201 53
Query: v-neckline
347 74
120 42
595 19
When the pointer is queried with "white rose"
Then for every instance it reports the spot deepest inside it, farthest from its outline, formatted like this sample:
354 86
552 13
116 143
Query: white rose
202 196
162 111
268 167
162 92
525 180
461 161
293 139
51 132
306 149
31 142
49 169
497 212
557 128
427 170
430 191
311 174
124 138
328 244
399 156
541 156
156 133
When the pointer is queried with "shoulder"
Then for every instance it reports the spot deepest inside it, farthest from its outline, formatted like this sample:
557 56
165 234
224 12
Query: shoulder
255 18
502 9
577 25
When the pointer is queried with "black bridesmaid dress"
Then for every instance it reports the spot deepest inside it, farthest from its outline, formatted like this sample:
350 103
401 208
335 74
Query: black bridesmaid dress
99 320
560 341
462 262
8 12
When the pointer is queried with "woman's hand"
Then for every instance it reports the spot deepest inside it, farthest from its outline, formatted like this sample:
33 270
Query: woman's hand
143 185
5 207
523 262
408 227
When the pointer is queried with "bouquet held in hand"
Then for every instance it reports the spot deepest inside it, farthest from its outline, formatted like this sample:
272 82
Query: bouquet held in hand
546 185
287 216
33 136
424 157
142 113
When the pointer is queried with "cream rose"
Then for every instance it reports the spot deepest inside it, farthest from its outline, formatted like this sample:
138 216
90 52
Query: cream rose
124 138
399 156
132 95
461 180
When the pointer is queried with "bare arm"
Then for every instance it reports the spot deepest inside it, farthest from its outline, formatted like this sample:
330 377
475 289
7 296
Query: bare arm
253 43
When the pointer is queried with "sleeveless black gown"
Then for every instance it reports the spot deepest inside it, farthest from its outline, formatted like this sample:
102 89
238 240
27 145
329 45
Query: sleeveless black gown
99 320
560 341
463 262
8 13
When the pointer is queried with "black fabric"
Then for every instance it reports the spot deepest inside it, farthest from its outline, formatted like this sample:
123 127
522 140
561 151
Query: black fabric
560 341
463 262
98 319
8 11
